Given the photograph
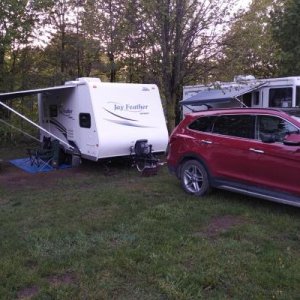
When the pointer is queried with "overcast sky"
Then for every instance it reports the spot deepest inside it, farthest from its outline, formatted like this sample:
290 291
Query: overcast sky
243 3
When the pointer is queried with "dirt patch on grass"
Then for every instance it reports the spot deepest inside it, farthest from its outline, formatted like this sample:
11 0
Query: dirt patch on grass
28 292
218 225
3 201
60 279
54 280
13 178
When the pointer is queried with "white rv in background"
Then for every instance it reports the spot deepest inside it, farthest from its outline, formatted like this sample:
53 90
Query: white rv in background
100 120
282 93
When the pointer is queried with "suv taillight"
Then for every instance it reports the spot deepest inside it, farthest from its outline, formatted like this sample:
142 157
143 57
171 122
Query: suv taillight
172 139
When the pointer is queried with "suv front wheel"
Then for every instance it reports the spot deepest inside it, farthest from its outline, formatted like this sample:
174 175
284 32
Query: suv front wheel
194 178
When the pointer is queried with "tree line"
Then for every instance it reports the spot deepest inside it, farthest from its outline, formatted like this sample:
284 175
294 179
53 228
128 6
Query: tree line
167 42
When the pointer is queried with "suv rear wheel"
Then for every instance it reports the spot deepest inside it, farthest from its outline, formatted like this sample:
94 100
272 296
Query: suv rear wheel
194 178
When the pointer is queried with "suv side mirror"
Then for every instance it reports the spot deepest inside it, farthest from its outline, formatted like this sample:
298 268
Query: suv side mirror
292 139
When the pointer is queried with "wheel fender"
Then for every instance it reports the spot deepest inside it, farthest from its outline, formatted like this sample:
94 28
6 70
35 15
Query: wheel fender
190 156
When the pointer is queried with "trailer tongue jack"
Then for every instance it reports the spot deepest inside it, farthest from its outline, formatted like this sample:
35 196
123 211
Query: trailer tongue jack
143 158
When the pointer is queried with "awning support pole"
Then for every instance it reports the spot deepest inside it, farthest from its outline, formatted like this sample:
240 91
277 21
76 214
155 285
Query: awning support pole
238 100
34 124
18 129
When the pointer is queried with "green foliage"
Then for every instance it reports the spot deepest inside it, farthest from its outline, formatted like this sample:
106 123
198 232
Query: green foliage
249 47
15 130
16 21
286 27
171 43
187 38
104 20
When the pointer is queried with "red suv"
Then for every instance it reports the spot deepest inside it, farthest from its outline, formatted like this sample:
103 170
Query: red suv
251 151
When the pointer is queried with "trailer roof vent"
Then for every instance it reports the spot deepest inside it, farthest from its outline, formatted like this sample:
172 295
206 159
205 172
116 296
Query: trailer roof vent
243 78
89 80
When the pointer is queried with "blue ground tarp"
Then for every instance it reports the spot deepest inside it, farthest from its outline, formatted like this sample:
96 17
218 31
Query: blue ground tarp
24 164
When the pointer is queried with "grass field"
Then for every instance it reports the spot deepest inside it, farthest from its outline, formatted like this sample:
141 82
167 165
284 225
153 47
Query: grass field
98 233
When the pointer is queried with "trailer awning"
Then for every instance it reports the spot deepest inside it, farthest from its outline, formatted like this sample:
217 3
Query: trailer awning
220 95
13 95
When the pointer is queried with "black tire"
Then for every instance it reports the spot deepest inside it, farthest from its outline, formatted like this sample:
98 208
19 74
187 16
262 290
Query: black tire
194 178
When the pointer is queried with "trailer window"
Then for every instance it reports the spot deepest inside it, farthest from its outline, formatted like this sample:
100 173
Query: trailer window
247 99
255 97
53 111
280 97
298 96
85 120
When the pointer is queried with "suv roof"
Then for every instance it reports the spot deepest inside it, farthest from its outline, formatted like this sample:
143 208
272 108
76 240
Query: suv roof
238 110
222 111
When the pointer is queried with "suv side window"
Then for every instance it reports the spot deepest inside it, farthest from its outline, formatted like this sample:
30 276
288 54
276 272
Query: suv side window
274 127
235 125
203 124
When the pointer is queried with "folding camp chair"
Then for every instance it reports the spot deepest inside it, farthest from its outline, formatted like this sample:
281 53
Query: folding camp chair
47 155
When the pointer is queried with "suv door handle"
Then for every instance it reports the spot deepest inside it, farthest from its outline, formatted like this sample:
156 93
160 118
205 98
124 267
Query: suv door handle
257 150
206 142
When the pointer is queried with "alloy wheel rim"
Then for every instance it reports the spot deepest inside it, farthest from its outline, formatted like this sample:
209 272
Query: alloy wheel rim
193 179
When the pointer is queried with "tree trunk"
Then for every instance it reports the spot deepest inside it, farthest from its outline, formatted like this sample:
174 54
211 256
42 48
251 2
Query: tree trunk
171 103
2 55
112 67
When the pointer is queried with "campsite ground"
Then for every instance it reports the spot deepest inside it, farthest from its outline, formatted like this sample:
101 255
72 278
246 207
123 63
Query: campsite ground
104 232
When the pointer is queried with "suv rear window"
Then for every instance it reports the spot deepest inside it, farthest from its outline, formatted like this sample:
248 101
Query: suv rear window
203 124
235 125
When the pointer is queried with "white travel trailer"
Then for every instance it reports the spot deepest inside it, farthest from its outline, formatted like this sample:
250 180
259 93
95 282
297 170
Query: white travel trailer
97 119
283 93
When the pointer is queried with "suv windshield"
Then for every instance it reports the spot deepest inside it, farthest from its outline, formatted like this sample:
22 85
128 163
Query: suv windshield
294 113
